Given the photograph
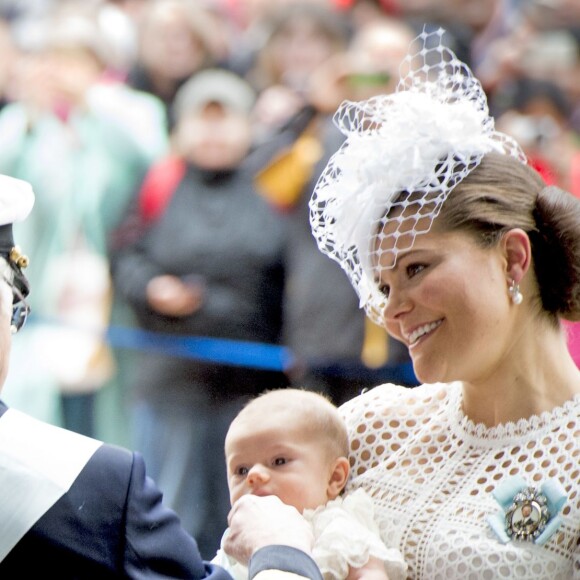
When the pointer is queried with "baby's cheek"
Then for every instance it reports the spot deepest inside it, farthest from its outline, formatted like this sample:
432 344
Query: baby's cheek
236 492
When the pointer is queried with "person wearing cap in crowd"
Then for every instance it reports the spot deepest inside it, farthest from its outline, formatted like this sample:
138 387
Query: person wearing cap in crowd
80 508
176 39
200 254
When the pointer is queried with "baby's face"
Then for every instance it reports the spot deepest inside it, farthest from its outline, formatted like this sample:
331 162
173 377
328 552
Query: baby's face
274 456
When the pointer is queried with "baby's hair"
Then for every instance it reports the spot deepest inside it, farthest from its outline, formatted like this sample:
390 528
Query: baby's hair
320 415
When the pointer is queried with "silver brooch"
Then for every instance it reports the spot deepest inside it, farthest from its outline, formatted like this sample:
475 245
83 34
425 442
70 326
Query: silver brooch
528 513
527 516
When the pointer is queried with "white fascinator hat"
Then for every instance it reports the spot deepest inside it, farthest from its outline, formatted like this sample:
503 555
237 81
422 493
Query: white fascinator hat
420 141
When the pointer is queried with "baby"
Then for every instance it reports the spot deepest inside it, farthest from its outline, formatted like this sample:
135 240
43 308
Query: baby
293 444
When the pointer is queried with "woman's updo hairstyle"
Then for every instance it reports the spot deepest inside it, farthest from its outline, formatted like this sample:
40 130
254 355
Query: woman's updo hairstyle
556 250
502 194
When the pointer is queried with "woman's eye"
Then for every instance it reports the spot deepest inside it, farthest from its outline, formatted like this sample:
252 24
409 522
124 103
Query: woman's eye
414 269
280 461
384 289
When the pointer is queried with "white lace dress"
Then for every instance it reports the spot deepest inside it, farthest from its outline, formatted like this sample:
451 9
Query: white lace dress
345 535
431 473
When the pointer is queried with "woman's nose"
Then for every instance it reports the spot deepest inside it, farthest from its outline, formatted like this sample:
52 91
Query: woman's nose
258 475
398 303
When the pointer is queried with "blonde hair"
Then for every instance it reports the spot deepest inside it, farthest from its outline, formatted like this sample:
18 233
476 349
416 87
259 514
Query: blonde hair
318 414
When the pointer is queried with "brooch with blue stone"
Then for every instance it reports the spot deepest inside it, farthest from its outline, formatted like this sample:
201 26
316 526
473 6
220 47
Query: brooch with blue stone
528 513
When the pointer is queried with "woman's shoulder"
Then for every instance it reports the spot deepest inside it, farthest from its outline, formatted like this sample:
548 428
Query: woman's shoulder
383 420
397 401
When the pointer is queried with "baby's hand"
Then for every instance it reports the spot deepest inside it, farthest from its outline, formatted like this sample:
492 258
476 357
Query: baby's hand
255 522
374 569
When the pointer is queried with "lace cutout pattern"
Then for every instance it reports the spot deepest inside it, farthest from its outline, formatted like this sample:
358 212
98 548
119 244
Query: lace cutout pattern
431 471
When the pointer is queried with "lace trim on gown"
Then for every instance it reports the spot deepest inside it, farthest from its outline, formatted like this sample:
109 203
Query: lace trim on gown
510 432
346 535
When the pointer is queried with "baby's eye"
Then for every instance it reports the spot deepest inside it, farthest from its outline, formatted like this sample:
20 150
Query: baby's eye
280 461
243 470
414 269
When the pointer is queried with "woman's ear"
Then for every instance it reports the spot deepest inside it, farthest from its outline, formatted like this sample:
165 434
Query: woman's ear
338 477
518 254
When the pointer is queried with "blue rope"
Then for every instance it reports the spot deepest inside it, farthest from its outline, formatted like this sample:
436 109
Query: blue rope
219 350
232 352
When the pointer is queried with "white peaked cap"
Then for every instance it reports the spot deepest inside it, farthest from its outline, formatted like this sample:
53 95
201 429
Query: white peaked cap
16 199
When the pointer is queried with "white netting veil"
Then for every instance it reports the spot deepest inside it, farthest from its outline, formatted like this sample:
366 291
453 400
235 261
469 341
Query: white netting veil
402 156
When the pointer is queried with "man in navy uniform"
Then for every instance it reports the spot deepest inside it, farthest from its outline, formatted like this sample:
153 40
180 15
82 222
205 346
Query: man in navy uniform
79 508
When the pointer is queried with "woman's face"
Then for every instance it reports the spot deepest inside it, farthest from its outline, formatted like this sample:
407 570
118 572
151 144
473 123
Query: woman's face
448 302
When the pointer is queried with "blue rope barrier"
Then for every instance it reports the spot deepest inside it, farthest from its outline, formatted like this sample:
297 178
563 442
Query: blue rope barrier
229 352
219 350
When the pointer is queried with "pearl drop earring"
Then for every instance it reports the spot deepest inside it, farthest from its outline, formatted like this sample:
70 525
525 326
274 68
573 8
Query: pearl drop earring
515 294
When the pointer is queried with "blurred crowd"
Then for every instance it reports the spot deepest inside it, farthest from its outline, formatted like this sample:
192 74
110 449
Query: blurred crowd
173 146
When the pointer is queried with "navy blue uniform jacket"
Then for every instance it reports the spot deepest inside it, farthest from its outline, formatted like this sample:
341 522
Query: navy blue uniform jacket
110 524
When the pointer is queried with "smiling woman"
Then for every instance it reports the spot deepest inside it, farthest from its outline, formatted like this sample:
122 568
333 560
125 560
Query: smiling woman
461 251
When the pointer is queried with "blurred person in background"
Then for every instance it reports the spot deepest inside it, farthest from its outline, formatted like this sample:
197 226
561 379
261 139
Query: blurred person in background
292 40
7 59
363 12
539 115
200 254
532 74
174 42
67 133
338 352
536 39
463 19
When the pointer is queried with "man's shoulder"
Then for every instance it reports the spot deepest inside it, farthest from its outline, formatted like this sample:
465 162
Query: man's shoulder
54 454
111 461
